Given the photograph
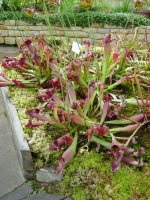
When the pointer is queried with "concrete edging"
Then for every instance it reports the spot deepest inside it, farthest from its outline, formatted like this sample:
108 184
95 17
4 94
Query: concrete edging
21 145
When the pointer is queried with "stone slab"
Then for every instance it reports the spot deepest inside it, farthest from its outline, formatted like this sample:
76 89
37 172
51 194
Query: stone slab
8 51
23 150
21 23
2 22
20 193
10 22
3 33
11 175
90 30
35 28
1 40
3 27
44 196
10 40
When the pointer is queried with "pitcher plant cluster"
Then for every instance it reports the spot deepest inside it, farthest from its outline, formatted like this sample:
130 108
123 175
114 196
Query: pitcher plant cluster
82 95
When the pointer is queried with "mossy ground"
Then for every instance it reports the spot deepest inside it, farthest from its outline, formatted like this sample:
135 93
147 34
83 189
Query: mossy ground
88 177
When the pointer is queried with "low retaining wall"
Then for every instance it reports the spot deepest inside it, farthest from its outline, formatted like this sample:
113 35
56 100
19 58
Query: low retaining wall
10 30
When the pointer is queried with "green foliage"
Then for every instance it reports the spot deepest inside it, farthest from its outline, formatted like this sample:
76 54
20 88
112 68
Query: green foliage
115 6
67 6
80 19
18 5
125 6
5 5
10 15
8 5
15 5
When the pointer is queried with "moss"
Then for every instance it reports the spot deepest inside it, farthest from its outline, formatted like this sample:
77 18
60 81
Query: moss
83 175
79 194
35 186
127 185
27 101
86 182
54 157
88 177
130 110
122 186
146 156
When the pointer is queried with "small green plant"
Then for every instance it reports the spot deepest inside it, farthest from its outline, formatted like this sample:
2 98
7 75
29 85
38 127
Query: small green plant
125 6
5 5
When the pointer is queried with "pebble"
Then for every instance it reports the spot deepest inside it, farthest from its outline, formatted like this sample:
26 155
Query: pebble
48 175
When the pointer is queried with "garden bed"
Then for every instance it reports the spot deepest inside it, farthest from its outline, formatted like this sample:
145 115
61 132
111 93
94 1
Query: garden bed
81 81
88 176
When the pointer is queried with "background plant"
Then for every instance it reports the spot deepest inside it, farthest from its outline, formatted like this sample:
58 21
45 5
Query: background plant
83 19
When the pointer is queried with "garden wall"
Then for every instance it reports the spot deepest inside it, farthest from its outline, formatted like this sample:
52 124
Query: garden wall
10 30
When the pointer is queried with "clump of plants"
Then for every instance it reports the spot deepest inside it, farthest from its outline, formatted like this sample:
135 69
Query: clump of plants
82 97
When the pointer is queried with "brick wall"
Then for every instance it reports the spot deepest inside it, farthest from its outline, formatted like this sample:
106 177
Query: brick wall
10 30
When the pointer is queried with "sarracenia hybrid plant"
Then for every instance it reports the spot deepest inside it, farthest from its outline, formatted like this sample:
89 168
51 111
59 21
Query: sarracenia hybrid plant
86 4
82 96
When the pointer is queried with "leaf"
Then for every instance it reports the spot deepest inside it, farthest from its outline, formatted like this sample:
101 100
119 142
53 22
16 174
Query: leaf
42 80
55 112
119 121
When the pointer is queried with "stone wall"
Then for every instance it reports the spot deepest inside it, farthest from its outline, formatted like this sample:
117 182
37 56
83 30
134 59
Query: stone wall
10 30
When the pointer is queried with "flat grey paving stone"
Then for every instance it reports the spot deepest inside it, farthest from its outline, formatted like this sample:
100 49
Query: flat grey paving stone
70 198
20 193
44 196
8 51
11 175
